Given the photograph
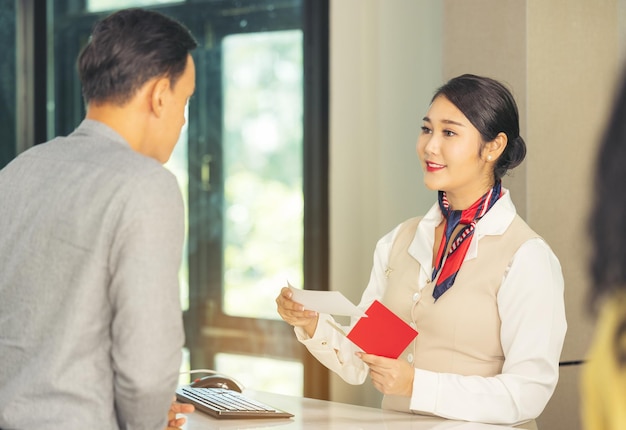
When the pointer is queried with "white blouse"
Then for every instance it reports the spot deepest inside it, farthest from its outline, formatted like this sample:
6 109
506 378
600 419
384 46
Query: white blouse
532 330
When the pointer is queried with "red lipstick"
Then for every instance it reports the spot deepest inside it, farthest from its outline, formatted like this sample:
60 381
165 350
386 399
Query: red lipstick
433 167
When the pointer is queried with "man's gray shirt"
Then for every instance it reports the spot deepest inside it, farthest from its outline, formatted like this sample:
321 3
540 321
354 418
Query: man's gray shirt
91 234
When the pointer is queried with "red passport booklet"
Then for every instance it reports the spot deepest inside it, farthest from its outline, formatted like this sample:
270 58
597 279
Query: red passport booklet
382 332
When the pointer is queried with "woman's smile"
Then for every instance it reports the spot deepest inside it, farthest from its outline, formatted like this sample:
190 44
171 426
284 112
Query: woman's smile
433 167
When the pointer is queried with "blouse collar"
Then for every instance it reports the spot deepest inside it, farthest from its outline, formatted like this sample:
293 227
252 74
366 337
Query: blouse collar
494 223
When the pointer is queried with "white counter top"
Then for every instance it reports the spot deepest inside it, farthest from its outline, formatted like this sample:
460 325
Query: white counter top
320 414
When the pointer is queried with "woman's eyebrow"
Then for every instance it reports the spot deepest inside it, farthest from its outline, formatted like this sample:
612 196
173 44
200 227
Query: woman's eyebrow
445 121
449 121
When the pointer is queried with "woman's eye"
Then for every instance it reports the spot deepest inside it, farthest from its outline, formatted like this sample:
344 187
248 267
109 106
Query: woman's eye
449 133
426 130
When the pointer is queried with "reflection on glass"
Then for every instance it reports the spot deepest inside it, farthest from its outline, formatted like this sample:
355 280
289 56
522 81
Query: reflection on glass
177 164
100 5
263 219
265 374
185 377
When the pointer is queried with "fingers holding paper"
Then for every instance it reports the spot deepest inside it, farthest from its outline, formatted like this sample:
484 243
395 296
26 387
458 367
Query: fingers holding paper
294 313
389 375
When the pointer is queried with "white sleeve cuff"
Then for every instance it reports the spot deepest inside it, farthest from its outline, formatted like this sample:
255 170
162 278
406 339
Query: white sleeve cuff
334 351
425 391
322 335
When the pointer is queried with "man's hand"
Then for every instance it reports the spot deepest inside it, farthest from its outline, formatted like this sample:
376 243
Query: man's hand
174 423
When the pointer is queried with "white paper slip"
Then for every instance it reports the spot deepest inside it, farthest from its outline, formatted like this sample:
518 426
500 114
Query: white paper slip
326 302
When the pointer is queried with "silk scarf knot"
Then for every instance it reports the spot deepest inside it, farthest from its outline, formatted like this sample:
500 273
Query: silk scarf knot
450 264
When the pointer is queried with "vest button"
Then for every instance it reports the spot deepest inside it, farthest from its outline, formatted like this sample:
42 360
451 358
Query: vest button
416 297
409 358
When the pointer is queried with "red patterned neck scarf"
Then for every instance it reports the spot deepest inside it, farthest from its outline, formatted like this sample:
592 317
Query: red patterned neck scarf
468 217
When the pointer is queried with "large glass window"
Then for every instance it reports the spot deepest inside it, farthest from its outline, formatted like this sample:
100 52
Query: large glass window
263 203
255 208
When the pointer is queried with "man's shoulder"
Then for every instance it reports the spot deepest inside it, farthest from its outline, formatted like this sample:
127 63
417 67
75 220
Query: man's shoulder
95 152
79 162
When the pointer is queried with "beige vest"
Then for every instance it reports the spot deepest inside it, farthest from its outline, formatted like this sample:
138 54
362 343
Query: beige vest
460 333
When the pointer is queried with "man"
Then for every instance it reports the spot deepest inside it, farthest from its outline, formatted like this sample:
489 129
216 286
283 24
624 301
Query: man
92 230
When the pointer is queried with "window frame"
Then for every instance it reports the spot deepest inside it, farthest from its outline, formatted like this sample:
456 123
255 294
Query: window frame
32 19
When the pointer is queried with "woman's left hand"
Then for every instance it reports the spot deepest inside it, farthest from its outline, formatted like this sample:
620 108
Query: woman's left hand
389 375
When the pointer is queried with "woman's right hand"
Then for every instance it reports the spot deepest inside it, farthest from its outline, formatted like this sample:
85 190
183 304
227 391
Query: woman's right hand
294 313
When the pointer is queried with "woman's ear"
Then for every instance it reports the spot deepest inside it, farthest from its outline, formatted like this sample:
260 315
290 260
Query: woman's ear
159 94
495 148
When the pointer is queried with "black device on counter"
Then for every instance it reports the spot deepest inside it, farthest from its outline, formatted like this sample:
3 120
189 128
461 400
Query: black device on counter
222 397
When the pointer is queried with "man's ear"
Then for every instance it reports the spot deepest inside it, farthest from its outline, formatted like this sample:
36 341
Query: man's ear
158 96
495 148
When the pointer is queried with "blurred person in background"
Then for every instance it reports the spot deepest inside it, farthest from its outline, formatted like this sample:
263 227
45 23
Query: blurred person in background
604 373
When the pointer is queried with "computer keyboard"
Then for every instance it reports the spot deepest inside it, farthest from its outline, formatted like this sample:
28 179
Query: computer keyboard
223 403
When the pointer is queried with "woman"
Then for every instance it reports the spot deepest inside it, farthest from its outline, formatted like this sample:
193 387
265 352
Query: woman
604 374
482 289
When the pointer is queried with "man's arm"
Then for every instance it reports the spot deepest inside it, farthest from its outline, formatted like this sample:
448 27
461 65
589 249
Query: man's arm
147 328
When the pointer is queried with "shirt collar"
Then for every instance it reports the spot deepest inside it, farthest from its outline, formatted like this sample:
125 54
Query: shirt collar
495 222
90 127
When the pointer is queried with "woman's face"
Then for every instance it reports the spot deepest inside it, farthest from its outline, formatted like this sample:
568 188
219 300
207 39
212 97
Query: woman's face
449 148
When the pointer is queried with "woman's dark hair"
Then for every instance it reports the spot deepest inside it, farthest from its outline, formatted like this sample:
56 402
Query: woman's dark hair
608 216
127 49
490 107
